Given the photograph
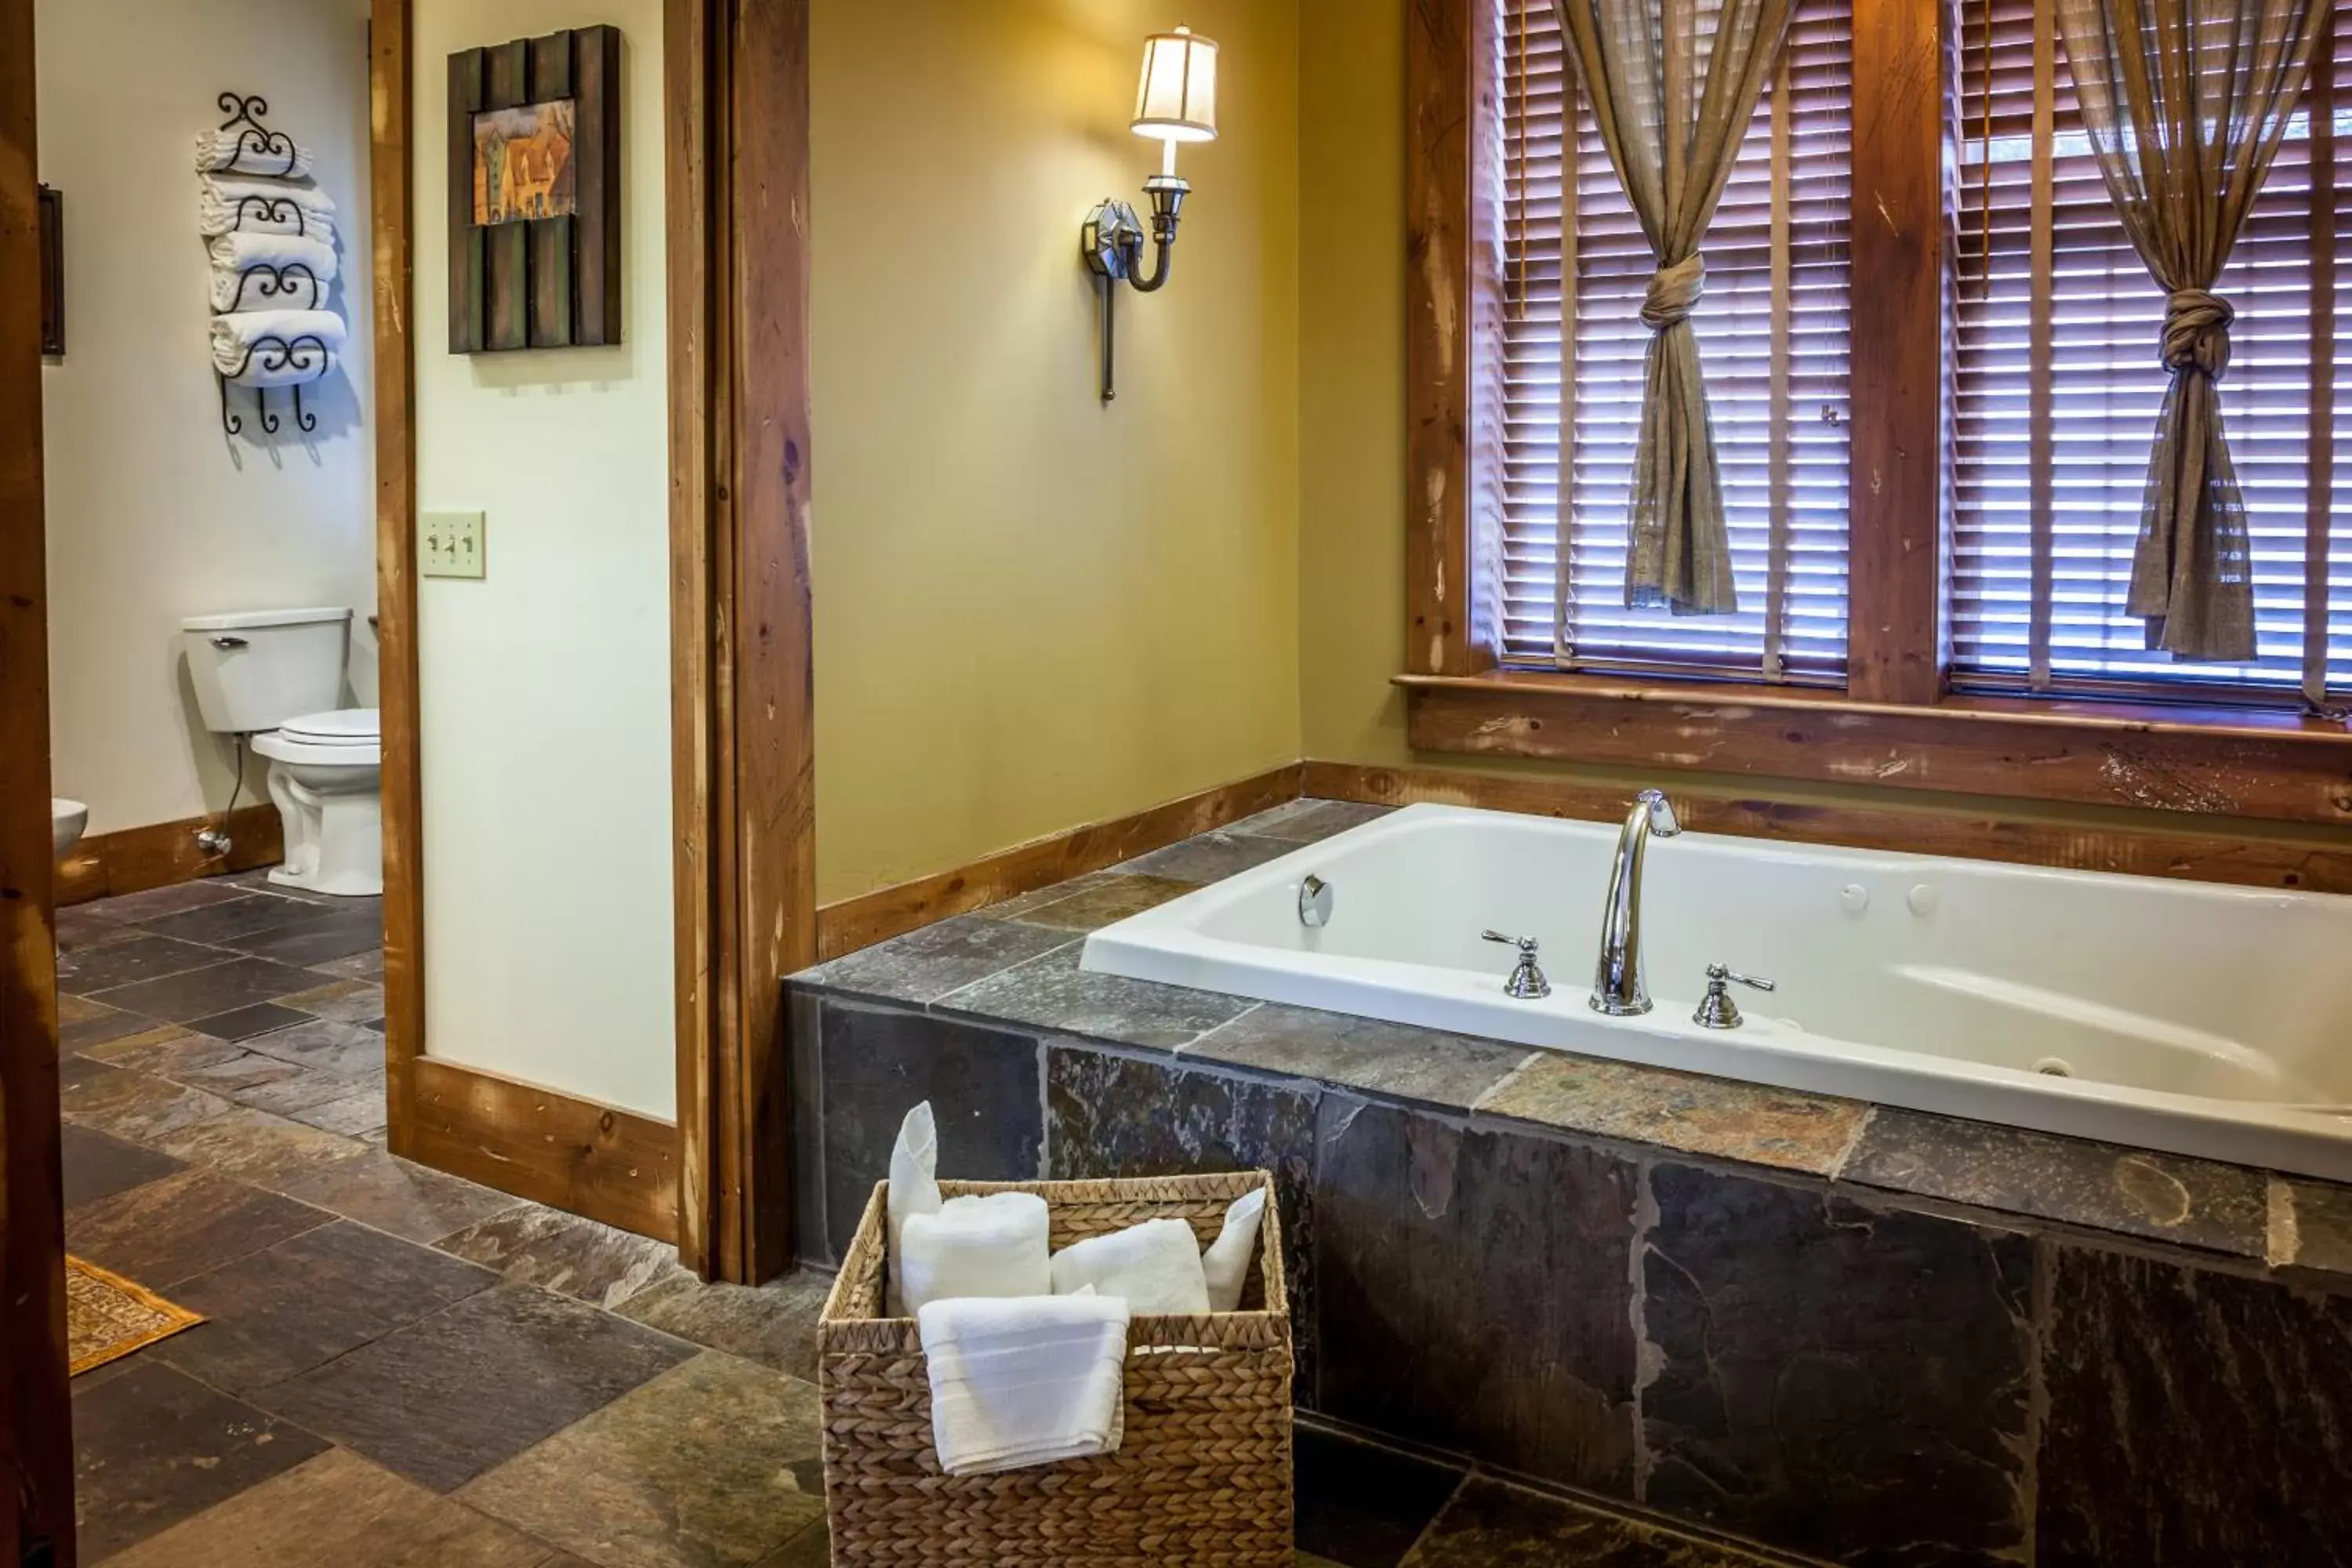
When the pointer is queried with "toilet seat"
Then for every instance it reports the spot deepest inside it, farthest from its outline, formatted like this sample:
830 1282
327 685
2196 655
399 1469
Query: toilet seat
348 737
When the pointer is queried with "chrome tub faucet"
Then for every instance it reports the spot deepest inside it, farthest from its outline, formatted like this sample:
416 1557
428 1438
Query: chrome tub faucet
1618 987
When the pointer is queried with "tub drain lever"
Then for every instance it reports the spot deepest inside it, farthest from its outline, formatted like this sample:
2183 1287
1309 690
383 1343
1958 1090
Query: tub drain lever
1527 982
1716 1009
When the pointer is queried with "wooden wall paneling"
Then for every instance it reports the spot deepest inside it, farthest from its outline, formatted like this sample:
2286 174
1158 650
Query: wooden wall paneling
852 924
2287 769
506 248
390 101
469 84
133 859
37 1501
2242 859
551 239
1897 624
744 759
1439 634
596 251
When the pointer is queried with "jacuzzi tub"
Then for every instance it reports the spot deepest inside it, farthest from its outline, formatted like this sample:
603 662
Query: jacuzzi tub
2166 1015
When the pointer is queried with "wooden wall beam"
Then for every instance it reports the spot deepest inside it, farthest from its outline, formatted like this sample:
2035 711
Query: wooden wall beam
2290 770
1445 632
1975 834
1896 626
744 759
37 1502
390 106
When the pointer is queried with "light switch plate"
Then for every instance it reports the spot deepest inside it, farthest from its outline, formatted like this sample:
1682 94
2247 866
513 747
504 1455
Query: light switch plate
449 544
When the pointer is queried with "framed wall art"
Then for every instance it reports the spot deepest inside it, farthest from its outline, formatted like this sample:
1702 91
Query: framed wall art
535 193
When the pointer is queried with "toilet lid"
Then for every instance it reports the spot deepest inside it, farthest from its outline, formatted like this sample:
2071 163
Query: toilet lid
345 727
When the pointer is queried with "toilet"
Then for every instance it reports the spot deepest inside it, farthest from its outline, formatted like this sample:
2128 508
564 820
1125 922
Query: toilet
275 676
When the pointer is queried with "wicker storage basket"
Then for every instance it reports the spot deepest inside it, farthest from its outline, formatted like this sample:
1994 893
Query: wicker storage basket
1203 1473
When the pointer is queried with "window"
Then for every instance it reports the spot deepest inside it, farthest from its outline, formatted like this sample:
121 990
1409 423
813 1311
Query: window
1788 527
2106 385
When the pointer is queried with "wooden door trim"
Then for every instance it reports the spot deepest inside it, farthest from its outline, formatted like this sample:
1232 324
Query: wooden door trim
743 754
392 108
36 1420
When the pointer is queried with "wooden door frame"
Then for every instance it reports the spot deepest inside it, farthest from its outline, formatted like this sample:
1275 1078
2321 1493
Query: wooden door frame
35 1415
743 751
736 160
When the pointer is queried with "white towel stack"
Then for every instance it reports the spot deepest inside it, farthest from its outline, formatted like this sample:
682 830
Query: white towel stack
1027 1350
269 233
1029 1381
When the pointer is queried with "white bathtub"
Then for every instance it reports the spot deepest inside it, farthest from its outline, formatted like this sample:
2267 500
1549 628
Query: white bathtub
2183 1016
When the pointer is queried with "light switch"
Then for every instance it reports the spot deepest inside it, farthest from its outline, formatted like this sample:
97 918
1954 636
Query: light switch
449 544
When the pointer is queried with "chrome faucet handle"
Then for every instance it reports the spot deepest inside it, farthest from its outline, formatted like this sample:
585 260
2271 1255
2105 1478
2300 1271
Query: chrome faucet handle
1527 980
1716 1009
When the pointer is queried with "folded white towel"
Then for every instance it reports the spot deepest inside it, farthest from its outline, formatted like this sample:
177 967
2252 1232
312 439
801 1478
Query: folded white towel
1226 1263
1024 1381
277 348
914 1189
1155 1267
251 151
237 287
992 1245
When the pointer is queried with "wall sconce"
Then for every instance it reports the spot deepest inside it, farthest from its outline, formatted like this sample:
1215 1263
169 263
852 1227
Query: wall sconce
1177 102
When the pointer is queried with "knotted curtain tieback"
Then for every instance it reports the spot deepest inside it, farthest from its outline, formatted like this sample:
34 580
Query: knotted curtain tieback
1673 291
2196 330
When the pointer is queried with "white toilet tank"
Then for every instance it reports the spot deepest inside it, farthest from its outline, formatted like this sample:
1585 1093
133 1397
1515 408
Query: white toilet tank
257 668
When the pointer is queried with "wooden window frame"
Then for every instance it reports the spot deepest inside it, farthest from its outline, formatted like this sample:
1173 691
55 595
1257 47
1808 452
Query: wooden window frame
1897 724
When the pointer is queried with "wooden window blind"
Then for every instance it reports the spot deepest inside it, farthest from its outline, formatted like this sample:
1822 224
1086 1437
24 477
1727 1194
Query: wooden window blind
1773 342
2055 393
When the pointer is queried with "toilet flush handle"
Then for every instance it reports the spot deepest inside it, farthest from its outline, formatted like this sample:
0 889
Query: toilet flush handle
223 640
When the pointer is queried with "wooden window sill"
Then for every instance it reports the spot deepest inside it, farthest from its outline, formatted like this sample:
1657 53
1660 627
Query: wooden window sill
2282 766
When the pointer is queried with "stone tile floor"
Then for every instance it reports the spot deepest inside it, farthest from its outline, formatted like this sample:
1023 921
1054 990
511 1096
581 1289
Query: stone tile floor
401 1368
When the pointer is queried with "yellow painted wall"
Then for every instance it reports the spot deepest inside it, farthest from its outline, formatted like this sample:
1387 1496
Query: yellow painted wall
1034 611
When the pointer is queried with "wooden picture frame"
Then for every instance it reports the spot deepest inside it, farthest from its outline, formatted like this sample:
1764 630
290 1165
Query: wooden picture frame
53 271
535 193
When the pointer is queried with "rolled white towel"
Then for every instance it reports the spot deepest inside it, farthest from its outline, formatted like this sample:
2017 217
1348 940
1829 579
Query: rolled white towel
299 272
1226 1263
914 1189
992 1245
251 151
220 192
264 212
277 348
1155 1267
1023 1382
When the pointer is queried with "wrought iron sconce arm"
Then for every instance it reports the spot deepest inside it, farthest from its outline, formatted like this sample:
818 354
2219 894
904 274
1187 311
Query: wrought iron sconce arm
1112 242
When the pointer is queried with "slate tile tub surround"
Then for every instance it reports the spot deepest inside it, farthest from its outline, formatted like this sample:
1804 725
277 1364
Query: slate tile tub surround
1853 1334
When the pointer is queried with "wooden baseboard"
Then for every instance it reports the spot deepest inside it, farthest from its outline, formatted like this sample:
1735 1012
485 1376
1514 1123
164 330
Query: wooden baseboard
852 924
1924 830
595 1160
133 859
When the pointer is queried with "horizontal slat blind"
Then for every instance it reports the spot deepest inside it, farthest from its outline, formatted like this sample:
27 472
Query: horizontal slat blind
2106 385
1586 625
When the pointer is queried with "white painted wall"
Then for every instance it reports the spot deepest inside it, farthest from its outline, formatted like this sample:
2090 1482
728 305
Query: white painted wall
152 515
545 695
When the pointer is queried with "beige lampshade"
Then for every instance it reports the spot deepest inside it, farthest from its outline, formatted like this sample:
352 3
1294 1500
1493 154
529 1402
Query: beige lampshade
1178 98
